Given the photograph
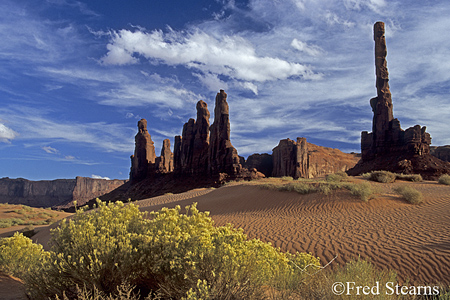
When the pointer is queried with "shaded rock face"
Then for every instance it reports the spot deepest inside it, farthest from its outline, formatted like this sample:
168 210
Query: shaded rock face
441 152
387 137
302 159
223 157
262 162
50 193
388 146
191 149
164 163
143 160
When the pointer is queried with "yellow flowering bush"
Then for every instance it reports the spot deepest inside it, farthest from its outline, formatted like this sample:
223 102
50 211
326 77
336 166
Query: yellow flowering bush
166 253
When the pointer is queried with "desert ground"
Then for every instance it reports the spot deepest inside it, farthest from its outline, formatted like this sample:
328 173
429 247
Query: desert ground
413 240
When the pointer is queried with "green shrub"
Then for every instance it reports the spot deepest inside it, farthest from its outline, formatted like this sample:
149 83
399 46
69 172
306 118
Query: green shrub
382 176
172 254
298 187
363 190
410 194
410 177
336 177
287 178
444 179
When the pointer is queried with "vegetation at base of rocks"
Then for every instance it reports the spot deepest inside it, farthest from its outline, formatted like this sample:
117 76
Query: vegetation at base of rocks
444 179
336 177
331 183
389 177
287 178
25 215
410 194
169 254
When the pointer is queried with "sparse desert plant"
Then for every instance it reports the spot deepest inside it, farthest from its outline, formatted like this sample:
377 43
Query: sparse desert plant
410 177
298 187
410 194
320 287
444 179
363 190
287 178
382 176
336 177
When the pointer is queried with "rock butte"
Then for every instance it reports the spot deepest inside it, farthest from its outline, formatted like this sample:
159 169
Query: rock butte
205 151
388 147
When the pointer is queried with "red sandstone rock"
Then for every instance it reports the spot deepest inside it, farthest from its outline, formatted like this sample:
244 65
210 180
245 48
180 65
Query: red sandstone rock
143 160
223 157
262 162
306 160
388 146
164 163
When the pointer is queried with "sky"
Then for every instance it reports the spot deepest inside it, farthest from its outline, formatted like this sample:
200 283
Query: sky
77 75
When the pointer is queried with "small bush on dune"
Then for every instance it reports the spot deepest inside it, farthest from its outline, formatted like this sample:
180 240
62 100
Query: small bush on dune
298 187
287 178
410 177
382 176
444 179
363 190
336 177
410 194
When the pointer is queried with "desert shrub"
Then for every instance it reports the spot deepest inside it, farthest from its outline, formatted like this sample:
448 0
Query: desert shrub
336 177
287 178
359 271
19 255
410 177
382 176
363 190
444 179
410 194
298 187
173 255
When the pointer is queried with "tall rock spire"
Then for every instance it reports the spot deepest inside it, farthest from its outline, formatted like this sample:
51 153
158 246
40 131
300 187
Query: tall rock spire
144 156
223 157
382 104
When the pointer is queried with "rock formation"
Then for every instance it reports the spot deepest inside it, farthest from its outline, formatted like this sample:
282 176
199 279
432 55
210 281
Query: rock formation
143 160
302 159
164 163
51 193
441 152
191 149
262 162
223 157
388 147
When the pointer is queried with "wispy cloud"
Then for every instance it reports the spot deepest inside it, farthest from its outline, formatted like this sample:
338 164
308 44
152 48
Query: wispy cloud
7 134
50 150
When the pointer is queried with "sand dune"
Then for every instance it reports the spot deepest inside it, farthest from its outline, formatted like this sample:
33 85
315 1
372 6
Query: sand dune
414 240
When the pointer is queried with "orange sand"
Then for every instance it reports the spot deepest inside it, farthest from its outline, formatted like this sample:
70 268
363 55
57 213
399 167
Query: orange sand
414 240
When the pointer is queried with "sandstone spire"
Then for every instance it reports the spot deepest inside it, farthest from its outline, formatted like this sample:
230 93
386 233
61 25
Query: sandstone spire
382 104
223 157
144 156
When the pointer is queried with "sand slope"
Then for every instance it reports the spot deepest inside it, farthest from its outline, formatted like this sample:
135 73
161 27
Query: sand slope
414 240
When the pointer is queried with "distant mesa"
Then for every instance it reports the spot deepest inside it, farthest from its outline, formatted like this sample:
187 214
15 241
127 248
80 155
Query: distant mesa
388 147
59 193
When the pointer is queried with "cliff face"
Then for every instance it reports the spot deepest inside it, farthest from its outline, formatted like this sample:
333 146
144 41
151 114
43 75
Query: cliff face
441 152
306 160
49 193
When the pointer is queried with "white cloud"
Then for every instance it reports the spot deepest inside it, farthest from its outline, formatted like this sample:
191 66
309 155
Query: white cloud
99 177
50 150
7 134
304 47
228 55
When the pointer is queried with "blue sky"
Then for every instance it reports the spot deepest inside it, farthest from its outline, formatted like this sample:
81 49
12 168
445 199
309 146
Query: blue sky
76 76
